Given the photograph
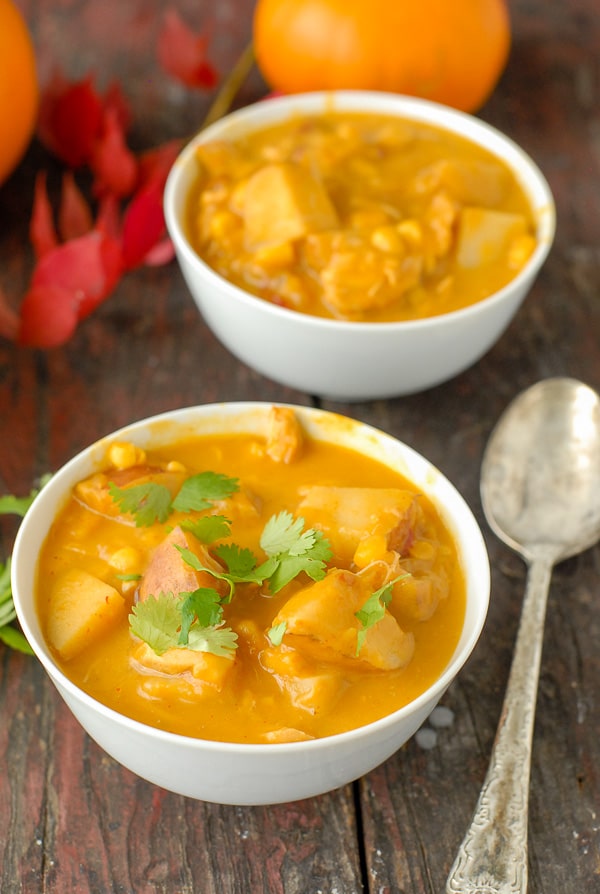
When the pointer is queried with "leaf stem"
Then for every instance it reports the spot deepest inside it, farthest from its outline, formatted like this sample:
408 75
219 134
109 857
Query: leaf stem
230 87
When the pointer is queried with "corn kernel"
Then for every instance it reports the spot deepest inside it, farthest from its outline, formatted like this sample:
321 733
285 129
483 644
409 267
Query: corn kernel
127 559
387 239
423 550
520 251
123 455
175 466
222 223
367 218
275 256
411 231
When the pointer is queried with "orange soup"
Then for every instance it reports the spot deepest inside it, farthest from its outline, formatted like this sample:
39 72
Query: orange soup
360 217
250 589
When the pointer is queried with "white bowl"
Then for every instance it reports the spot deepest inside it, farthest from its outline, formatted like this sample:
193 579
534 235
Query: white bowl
241 773
354 360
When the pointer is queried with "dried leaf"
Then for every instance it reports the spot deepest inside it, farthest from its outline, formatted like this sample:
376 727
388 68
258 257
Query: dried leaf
42 232
182 53
74 214
114 165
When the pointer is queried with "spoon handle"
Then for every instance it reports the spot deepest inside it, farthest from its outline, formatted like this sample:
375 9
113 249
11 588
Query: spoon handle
492 858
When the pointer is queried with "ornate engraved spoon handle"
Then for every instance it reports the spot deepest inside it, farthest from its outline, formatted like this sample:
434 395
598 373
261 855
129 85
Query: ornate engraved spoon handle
492 858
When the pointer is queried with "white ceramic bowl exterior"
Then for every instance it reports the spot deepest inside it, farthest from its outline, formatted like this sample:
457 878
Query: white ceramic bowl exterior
251 774
350 360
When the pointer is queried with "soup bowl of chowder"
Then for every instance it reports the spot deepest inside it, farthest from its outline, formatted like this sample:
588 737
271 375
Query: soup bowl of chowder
357 245
249 604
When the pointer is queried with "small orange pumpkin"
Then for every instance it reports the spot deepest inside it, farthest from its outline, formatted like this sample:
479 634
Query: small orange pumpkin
18 87
448 51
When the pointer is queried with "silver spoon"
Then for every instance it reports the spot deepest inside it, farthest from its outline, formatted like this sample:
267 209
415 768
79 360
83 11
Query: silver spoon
540 489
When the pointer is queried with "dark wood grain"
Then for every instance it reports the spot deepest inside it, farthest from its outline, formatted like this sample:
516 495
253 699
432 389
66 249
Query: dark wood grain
71 819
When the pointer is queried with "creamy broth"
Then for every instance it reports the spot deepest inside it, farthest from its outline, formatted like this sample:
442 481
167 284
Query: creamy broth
360 217
299 669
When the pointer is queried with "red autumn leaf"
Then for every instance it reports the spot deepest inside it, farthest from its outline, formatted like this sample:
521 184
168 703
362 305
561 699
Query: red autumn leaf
155 164
42 231
182 53
48 316
114 165
88 268
74 213
143 224
116 102
70 119
161 253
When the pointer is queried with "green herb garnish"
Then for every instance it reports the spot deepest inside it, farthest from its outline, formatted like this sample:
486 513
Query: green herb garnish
373 610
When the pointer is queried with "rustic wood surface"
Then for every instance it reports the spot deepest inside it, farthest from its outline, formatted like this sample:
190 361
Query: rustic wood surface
71 819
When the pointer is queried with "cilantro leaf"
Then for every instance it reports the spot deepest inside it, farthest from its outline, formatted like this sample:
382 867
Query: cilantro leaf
294 550
208 528
157 621
277 632
241 563
11 505
160 621
147 502
199 491
216 640
373 610
203 605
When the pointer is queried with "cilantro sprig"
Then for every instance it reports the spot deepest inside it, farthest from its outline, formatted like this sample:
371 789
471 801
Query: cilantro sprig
186 620
151 502
9 635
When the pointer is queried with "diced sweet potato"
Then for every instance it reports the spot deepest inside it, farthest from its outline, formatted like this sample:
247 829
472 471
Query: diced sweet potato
284 436
347 515
283 202
485 236
321 620
167 572
82 609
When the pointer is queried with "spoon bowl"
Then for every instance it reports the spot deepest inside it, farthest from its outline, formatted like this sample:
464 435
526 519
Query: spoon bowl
541 469
540 490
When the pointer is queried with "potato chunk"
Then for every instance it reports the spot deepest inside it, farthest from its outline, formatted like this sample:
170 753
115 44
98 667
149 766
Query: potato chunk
347 515
283 202
321 620
82 609
485 236
203 666
311 688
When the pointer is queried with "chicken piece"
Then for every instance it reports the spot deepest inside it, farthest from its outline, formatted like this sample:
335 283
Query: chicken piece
284 437
94 492
308 687
356 282
167 572
283 202
485 236
203 666
321 621
82 609
349 515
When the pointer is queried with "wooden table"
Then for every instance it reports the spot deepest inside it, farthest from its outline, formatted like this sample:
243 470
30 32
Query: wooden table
71 819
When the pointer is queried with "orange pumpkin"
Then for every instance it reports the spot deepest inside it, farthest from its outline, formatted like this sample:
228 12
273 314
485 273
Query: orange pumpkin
18 88
449 51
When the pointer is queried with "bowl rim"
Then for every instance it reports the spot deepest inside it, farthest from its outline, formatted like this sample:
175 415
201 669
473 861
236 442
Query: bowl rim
62 481
423 110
